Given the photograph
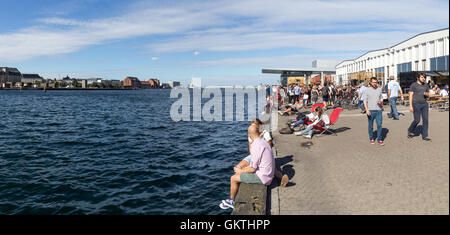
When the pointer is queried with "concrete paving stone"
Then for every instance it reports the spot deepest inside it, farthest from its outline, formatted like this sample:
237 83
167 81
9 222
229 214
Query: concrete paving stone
345 174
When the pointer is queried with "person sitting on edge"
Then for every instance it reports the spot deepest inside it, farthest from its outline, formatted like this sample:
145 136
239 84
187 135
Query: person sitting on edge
246 161
260 171
318 118
291 108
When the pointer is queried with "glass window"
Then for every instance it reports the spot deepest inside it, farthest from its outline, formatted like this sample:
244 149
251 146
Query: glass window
440 63
432 64
446 63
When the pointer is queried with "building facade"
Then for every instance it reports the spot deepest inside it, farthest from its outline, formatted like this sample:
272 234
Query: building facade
32 78
425 52
131 82
9 76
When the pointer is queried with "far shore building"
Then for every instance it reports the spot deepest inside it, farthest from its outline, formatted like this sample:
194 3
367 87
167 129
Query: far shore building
131 82
426 52
83 83
9 77
154 83
173 84
32 80
116 82
151 83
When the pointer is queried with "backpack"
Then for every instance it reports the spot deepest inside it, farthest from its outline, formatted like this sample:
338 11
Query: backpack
325 91
301 116
286 130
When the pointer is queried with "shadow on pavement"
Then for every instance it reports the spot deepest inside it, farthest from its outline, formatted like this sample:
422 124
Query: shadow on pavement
280 163
337 131
384 133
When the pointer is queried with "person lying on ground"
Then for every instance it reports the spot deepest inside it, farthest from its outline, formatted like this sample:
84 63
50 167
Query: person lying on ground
304 120
291 108
318 119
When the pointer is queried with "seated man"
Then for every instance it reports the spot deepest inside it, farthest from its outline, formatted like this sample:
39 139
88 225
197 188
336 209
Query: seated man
267 137
260 171
291 108
319 118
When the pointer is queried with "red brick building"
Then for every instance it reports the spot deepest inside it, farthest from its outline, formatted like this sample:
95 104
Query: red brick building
154 83
131 82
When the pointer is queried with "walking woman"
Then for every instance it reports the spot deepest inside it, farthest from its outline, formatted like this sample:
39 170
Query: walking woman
314 95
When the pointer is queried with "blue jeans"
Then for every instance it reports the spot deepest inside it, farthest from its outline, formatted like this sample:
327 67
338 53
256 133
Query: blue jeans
309 130
298 123
376 115
393 104
420 110
361 105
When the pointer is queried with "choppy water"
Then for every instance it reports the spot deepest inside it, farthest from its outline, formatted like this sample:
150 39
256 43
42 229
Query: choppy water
111 152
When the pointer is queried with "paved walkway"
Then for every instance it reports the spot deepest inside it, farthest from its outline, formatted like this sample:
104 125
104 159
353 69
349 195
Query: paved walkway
345 174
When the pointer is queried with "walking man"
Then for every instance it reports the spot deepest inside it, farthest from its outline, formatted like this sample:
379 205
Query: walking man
373 102
393 90
361 91
296 93
418 105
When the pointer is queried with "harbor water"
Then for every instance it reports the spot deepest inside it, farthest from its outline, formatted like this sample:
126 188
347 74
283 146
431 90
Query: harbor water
112 152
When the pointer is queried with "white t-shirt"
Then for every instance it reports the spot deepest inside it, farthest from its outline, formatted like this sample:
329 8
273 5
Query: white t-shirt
394 87
324 118
443 93
265 134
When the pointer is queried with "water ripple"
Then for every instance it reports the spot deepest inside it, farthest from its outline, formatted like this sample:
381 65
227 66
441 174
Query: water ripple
111 152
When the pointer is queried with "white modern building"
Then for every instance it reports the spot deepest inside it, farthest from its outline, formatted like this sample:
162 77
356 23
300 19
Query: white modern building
173 84
427 52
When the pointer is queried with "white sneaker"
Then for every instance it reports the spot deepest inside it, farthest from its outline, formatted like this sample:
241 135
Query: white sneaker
223 206
298 133
308 136
226 204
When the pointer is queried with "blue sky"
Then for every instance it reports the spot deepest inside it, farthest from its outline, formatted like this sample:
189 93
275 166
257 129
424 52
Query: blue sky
225 42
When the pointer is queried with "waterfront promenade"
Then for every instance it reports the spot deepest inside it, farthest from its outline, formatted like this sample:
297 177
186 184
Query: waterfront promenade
345 174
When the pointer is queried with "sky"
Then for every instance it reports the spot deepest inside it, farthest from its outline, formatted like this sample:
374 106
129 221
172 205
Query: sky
224 42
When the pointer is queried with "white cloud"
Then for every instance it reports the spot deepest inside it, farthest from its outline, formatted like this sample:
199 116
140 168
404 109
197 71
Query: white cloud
155 58
289 61
232 25
273 40
196 53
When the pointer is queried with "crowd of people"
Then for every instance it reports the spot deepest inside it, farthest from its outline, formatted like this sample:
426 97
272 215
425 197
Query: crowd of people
329 94
259 166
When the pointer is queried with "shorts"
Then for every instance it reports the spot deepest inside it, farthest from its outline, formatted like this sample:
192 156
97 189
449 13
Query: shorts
250 178
325 99
248 158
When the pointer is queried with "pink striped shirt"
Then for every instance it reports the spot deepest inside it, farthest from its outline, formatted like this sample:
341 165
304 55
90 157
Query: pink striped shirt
262 160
